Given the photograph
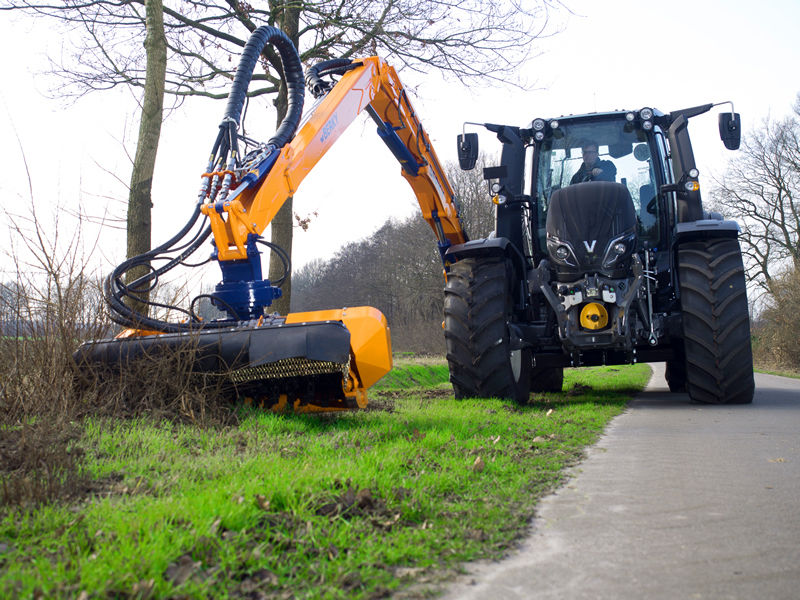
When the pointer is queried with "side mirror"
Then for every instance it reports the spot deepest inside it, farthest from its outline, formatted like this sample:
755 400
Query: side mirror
730 130
467 151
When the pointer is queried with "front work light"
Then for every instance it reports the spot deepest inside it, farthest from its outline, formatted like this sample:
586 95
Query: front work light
692 186
562 253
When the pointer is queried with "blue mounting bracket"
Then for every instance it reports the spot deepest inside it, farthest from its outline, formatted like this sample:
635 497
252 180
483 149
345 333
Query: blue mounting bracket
242 293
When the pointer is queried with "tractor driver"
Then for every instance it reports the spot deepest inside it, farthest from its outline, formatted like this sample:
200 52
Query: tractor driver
593 169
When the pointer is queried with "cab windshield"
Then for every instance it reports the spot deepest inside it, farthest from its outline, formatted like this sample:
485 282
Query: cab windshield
610 150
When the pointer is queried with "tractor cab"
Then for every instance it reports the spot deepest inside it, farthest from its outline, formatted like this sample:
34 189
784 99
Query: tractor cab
572 156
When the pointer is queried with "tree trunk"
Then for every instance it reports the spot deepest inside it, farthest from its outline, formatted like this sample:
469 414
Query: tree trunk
282 227
139 197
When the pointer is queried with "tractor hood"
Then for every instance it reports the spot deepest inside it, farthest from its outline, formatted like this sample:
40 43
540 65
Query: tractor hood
591 228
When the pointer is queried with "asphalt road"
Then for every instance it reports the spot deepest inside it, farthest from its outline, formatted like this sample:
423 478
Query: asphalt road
677 500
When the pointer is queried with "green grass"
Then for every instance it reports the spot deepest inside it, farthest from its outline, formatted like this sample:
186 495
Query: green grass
408 373
354 505
791 374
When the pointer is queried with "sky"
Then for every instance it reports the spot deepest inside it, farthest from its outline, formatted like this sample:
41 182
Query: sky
608 55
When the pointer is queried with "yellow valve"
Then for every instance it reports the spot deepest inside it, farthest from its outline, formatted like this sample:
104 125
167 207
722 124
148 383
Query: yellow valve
594 316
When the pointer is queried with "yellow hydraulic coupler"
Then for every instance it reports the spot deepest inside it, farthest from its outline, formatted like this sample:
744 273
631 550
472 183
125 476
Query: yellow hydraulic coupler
594 316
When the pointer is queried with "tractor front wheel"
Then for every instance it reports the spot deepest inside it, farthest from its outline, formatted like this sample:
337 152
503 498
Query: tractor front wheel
675 375
716 322
484 357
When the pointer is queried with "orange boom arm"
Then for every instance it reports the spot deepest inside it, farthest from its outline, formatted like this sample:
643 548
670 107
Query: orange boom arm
313 360
373 86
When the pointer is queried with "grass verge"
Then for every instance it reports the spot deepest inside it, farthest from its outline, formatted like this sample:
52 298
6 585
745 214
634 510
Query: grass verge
355 505
791 374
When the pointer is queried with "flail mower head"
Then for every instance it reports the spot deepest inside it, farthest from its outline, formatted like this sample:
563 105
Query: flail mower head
323 360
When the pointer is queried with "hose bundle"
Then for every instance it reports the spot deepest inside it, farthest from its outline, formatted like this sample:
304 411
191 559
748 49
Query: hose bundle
216 183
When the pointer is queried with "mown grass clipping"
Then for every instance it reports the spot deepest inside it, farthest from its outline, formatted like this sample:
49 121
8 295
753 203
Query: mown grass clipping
365 504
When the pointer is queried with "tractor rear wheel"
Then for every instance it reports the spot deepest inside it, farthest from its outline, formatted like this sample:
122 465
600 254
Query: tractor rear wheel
675 374
547 379
478 310
716 322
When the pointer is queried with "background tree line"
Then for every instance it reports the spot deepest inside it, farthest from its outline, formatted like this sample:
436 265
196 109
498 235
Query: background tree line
761 189
397 270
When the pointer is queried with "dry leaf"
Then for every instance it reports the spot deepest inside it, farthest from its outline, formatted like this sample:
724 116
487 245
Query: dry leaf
777 460
478 465
181 570
143 589
394 520
549 412
215 525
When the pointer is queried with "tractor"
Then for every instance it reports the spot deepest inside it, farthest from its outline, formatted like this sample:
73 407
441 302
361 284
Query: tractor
602 254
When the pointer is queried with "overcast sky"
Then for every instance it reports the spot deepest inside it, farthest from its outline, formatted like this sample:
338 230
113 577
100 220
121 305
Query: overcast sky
616 54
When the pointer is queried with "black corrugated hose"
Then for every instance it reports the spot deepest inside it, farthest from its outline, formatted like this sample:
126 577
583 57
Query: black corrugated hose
314 82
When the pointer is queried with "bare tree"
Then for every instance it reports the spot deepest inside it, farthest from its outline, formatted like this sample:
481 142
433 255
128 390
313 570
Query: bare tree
140 192
477 212
468 39
762 189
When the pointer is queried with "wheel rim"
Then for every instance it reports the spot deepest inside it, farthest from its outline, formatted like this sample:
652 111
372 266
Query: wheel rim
515 360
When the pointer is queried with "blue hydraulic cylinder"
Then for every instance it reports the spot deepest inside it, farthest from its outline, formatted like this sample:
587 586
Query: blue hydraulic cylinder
398 148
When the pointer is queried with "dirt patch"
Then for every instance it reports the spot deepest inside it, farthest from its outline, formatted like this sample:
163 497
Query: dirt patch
40 462
351 503
578 389
382 401
435 393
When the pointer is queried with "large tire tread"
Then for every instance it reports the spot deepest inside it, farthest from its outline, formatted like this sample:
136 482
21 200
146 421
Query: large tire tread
716 324
476 310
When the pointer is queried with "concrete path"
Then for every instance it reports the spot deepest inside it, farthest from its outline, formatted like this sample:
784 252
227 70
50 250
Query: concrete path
677 500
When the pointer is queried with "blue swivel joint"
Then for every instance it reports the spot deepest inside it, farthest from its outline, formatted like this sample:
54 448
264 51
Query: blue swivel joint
242 293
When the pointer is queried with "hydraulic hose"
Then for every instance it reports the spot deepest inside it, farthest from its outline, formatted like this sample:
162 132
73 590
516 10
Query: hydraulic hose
292 74
226 142
314 82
